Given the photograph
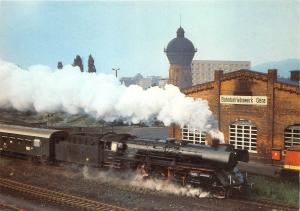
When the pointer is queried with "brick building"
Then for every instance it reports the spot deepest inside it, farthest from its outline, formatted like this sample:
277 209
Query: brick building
255 111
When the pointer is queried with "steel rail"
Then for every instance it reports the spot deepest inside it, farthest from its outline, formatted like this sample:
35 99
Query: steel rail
263 203
58 197
8 207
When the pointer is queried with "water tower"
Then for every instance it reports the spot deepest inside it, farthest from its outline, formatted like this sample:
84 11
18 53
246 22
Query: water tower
180 52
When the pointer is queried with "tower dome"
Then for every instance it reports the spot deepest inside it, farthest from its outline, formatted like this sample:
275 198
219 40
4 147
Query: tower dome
180 50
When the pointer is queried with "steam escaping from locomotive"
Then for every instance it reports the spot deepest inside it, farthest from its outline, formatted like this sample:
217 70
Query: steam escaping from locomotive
102 96
129 178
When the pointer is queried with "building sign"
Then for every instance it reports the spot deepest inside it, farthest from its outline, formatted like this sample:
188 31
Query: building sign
243 100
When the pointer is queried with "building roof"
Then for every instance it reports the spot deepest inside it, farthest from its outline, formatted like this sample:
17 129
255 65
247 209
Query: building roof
288 81
196 61
180 50
180 43
281 84
29 131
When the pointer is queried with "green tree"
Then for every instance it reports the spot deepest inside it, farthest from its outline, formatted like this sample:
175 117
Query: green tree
78 62
91 65
60 65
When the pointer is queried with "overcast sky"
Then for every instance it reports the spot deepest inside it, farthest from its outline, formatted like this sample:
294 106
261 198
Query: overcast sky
132 35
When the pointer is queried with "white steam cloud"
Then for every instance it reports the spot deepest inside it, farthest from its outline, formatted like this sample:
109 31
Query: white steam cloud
102 96
133 180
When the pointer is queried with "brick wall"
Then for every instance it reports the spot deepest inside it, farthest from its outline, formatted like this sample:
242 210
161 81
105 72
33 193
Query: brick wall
287 112
282 109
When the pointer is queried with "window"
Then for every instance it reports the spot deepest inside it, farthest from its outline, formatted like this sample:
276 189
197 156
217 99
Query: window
193 135
107 145
242 135
27 142
12 140
292 136
36 142
19 140
4 138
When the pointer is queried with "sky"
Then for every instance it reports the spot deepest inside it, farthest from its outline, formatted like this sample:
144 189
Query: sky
132 35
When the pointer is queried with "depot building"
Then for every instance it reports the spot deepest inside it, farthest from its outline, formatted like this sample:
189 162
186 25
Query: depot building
255 111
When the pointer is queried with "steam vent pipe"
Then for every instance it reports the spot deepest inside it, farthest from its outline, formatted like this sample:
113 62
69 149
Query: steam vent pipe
180 52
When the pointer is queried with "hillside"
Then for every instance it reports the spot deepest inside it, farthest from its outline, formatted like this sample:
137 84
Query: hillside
284 66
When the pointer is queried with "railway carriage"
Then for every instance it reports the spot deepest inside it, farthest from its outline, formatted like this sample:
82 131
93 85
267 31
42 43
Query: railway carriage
35 143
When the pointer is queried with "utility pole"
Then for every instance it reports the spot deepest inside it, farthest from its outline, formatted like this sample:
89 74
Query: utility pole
116 71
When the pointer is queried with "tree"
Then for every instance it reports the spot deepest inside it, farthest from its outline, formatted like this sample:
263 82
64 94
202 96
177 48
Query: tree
60 65
91 65
78 62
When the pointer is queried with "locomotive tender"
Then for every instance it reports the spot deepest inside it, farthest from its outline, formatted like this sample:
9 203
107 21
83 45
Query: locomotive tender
211 167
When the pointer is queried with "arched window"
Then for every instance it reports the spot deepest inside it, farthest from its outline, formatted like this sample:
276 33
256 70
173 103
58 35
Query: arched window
292 136
193 135
242 135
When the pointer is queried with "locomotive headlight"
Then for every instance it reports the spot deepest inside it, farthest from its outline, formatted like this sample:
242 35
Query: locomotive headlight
114 146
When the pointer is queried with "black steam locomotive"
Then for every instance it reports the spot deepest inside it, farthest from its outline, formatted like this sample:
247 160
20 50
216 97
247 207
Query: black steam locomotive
211 167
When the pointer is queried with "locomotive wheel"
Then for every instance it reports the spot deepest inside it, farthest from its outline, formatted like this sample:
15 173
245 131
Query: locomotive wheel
218 190
142 171
221 192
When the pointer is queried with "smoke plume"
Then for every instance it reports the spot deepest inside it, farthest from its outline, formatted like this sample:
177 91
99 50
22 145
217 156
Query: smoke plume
102 96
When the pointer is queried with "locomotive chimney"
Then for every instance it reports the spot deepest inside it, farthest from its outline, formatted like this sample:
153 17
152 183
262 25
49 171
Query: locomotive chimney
215 142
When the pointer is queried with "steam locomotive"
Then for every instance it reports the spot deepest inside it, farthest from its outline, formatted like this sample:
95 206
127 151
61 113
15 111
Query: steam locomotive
210 167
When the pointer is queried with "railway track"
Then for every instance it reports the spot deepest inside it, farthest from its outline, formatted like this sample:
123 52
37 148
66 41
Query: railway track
268 204
58 197
7 207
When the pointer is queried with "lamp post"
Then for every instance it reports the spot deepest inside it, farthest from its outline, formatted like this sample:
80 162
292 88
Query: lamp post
116 71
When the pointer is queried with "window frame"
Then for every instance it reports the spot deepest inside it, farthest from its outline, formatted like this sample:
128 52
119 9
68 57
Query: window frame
291 139
243 135
193 135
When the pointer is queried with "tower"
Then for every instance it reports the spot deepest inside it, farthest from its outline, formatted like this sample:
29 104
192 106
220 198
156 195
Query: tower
180 52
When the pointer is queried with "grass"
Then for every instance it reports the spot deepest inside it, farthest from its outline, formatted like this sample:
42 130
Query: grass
279 190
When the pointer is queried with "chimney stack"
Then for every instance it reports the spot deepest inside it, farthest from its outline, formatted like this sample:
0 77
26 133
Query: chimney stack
272 75
218 75
295 75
